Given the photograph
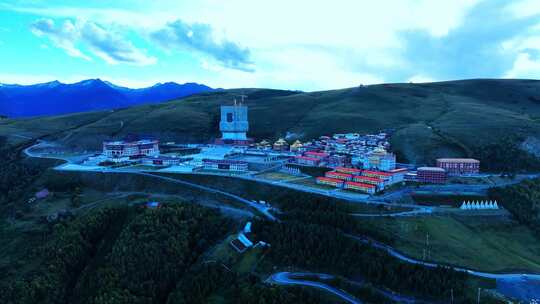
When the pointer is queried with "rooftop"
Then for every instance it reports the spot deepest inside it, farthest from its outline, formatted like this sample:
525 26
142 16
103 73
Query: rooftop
360 184
434 169
458 160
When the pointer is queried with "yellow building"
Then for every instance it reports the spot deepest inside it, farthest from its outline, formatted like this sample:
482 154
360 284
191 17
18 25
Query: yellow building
281 145
264 144
296 146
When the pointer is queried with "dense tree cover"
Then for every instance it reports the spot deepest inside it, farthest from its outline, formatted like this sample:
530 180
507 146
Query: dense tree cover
152 253
119 256
321 210
71 246
206 280
15 176
522 200
505 156
320 248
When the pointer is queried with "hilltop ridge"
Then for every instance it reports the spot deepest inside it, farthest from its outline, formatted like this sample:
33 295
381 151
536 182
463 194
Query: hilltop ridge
427 120
56 98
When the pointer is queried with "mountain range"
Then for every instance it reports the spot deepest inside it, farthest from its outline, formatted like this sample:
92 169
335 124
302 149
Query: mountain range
56 98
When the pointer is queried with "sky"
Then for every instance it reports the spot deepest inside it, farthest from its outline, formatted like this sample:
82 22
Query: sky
301 45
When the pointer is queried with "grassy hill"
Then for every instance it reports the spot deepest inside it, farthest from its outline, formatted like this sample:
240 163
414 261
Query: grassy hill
451 118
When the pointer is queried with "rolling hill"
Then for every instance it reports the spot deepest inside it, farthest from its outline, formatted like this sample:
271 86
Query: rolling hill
453 118
55 98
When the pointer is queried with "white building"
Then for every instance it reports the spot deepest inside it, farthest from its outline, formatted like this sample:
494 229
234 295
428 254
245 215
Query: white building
377 159
234 124
225 164
123 149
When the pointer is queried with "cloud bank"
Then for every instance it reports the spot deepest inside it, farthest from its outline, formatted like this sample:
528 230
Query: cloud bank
100 41
199 37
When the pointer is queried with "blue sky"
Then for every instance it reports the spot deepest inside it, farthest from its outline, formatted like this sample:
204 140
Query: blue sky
305 45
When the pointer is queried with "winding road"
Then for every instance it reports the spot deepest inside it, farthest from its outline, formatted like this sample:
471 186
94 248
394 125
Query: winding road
288 278
262 209
395 253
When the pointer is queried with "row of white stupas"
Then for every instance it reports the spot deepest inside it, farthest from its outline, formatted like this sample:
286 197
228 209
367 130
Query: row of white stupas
478 205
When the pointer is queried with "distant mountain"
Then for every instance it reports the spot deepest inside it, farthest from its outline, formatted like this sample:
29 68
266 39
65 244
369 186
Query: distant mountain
54 98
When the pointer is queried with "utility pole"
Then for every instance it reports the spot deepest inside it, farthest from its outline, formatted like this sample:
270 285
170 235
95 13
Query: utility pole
452 295
478 297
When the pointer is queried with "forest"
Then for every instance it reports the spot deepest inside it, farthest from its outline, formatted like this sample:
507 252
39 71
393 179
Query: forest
132 254
522 200
505 156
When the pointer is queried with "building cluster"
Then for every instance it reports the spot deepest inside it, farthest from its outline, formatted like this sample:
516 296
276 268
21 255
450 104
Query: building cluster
360 162
225 165
122 150
445 167
133 150
368 181
340 150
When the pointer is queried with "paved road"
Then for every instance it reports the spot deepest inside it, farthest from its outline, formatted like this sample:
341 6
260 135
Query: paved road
419 211
395 253
262 209
284 277
288 278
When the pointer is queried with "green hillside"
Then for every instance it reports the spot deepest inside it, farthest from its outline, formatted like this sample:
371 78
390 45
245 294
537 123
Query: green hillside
454 118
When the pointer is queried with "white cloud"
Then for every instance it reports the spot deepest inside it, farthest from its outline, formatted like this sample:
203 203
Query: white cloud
199 37
420 79
63 37
524 8
102 42
524 67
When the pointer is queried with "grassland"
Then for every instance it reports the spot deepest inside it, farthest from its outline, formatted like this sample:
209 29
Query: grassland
482 243
429 120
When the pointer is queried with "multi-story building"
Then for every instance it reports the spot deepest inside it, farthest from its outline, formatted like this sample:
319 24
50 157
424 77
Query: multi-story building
379 183
367 188
131 149
459 166
352 171
431 175
398 175
319 155
307 161
338 160
225 164
339 175
385 176
234 125
378 159
338 183
281 145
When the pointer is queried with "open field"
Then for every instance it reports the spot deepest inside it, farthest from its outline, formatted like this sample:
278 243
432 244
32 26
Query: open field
310 182
277 176
450 199
430 120
483 243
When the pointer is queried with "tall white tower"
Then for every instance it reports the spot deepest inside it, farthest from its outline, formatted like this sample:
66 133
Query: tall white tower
234 123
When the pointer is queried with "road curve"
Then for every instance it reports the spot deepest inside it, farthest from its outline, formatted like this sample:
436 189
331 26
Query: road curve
286 278
262 209
497 276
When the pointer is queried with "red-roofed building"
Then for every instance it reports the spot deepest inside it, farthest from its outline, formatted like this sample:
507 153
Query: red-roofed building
353 171
367 188
319 155
458 166
307 161
386 176
338 175
379 183
338 183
